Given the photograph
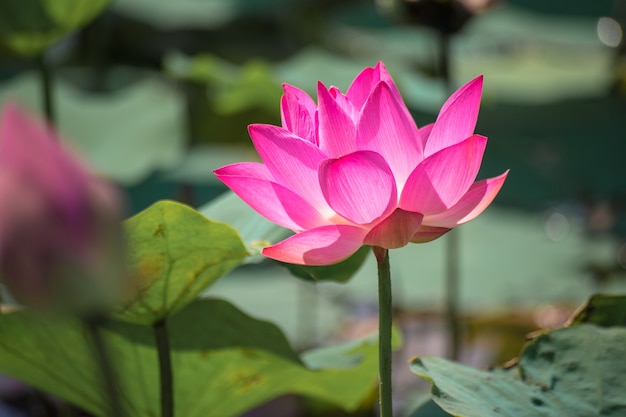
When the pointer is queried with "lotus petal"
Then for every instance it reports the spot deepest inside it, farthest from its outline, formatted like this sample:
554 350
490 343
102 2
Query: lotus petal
292 161
320 246
426 233
457 118
273 201
359 186
385 129
443 178
395 231
475 201
336 130
297 111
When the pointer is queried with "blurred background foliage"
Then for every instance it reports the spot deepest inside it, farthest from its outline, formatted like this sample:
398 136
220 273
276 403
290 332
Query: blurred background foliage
156 94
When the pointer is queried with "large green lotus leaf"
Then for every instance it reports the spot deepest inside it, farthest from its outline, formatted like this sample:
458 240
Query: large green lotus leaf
603 310
28 27
123 135
574 371
340 272
175 253
224 362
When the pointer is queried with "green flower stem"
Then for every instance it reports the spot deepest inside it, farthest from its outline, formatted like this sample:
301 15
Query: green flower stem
165 368
45 74
101 354
384 331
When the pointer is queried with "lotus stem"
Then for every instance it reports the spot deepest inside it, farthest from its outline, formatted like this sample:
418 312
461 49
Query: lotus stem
384 331
452 295
101 354
165 368
452 239
45 74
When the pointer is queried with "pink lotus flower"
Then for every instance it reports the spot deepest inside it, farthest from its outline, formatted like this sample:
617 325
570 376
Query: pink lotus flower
59 224
355 170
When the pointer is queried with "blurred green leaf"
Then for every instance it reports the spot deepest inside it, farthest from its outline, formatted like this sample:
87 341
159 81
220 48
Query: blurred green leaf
226 97
429 409
575 371
224 361
253 228
343 356
122 135
203 68
340 272
28 27
175 253
255 87
168 15
203 14
232 89
603 310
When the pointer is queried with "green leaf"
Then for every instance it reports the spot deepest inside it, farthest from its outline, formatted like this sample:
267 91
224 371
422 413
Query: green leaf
255 87
224 363
203 68
176 253
125 149
429 409
254 229
603 310
234 89
169 15
575 371
28 27
346 355
340 272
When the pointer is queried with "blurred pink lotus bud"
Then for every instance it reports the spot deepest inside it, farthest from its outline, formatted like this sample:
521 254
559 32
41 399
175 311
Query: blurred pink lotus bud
355 170
60 225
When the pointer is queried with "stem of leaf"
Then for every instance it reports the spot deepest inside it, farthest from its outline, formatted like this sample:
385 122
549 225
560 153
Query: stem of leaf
384 331
165 368
45 74
101 353
452 239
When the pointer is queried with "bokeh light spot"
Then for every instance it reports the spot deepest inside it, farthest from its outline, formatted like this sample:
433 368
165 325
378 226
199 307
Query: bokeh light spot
609 31
556 225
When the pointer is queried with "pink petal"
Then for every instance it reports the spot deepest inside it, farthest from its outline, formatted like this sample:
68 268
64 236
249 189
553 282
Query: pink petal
474 202
457 118
362 86
291 160
343 102
359 186
428 233
385 128
395 231
297 111
31 149
246 169
443 178
425 133
336 128
366 81
320 246
278 204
